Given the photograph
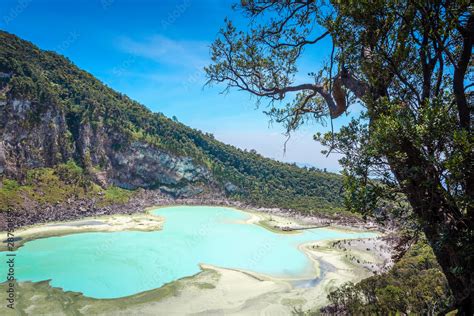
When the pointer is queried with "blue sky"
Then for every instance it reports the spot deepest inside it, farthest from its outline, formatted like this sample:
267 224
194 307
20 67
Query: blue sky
154 52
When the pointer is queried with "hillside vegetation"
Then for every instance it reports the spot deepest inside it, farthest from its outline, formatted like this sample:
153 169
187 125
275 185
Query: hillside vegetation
54 114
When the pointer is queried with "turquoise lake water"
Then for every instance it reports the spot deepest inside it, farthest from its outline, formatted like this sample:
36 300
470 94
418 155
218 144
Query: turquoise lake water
117 264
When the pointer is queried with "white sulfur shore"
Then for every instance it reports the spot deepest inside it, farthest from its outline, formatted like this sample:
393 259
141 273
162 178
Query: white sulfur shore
109 223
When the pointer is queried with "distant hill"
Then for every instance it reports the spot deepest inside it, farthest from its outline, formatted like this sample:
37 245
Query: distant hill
65 135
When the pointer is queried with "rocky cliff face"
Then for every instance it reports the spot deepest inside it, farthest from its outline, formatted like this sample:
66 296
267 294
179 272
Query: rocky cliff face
31 137
34 134
143 165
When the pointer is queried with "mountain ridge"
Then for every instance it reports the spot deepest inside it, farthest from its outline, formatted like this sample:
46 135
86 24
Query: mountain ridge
60 125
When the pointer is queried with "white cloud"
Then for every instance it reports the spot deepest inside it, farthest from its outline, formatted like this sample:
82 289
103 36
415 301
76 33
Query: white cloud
185 53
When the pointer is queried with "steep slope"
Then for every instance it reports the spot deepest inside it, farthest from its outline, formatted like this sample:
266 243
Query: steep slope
61 127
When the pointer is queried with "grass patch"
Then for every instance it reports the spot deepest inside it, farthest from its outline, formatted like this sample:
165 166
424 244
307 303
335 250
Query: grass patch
115 195
49 186
204 285
10 194
269 226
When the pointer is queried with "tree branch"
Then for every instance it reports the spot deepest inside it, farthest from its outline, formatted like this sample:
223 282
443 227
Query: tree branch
460 72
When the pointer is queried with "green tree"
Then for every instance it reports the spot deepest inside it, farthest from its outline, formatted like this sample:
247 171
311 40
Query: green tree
406 62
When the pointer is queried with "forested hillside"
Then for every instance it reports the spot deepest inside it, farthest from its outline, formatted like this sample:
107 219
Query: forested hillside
64 134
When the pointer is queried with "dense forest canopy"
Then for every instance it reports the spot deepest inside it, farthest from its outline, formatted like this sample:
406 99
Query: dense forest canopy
407 63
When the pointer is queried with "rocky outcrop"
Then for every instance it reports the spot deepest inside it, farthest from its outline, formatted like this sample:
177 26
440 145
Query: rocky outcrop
32 135
143 165
230 187
42 135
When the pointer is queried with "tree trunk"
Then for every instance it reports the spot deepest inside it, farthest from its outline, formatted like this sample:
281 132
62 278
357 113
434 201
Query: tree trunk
457 267
449 231
452 241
